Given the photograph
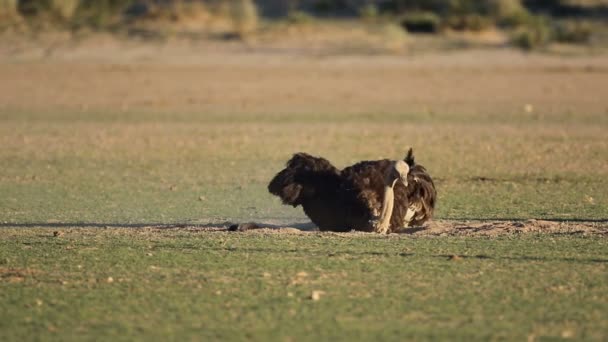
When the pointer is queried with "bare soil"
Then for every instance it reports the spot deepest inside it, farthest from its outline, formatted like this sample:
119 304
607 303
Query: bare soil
432 228
497 228
105 73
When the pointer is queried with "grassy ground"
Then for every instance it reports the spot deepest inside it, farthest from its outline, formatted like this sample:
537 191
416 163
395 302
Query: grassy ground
199 285
98 151
114 170
64 175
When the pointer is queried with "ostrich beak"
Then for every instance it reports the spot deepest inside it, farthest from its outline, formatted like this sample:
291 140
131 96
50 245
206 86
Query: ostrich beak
404 180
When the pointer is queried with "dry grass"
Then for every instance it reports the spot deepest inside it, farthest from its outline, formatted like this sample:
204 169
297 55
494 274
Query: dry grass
8 8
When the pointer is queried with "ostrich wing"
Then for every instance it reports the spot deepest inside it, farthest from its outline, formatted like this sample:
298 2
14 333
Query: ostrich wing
421 196
313 183
304 178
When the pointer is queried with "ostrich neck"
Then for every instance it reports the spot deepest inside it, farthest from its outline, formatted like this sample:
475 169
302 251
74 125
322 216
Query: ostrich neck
387 208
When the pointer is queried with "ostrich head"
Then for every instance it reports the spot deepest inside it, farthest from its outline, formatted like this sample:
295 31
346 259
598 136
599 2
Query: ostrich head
397 172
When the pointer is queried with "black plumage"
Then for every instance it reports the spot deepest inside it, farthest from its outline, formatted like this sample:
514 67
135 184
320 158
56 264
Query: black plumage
352 198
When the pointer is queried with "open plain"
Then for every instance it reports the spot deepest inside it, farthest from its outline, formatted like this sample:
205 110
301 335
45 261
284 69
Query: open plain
122 164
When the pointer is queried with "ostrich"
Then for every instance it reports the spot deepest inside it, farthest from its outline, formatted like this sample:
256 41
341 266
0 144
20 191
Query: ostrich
380 196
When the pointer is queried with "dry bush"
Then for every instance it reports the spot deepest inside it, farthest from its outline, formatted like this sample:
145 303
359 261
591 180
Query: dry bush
8 9
535 34
64 9
244 14
506 8
100 14
574 32
173 11
421 22
510 12
9 15
469 22
393 35
48 9
297 17
369 12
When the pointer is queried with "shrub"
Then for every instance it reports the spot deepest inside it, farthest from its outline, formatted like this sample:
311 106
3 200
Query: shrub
76 13
9 15
576 32
421 22
509 12
369 12
469 22
394 37
244 14
516 19
64 9
299 17
325 6
8 9
100 14
404 6
55 9
466 7
536 33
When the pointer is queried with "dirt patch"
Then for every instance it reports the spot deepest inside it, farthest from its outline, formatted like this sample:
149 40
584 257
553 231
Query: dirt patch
498 228
437 228
14 275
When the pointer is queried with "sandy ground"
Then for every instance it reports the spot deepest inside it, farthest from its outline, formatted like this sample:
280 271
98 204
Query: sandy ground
207 77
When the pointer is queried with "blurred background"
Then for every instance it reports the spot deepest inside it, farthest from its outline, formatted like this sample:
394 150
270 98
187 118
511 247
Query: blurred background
374 24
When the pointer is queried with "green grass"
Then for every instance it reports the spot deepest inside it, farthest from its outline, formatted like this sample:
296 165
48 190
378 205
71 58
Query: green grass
196 285
69 171
164 168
